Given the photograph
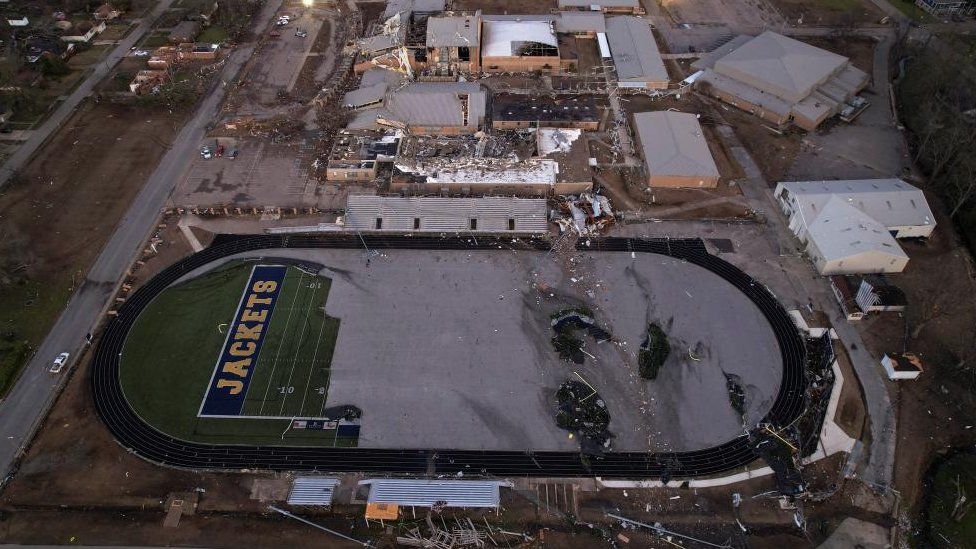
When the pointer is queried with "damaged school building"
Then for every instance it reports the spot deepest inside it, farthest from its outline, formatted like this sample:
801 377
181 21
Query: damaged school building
433 117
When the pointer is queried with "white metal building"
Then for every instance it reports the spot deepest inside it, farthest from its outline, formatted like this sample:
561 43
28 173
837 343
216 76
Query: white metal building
849 227
428 493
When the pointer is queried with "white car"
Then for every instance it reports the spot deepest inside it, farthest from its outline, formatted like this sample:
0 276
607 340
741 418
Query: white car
206 153
59 362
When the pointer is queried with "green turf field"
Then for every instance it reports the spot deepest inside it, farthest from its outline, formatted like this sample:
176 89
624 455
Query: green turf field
172 350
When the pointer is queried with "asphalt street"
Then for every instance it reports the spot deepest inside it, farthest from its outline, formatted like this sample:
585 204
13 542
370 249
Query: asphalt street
40 135
31 397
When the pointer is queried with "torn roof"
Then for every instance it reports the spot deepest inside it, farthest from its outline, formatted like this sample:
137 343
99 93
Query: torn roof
504 38
453 31
552 140
673 144
362 97
780 65
428 104
892 202
634 50
842 230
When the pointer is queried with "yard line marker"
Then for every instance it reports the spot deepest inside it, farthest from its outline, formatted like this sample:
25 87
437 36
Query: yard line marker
311 366
294 358
274 364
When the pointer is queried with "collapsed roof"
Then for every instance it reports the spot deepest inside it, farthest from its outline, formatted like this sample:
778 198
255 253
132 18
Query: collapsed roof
518 38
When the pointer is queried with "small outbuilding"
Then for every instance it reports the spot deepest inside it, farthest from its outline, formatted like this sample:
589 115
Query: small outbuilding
675 151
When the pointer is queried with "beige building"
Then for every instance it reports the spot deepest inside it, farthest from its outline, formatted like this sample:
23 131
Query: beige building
850 227
780 79
675 150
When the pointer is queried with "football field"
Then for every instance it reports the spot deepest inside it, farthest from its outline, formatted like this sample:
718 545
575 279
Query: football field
235 354
286 340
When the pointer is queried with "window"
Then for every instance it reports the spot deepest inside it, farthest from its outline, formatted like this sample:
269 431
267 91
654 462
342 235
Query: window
379 223
416 223
511 223
464 53
474 224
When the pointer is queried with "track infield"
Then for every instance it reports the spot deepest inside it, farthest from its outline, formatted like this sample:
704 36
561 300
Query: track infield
238 364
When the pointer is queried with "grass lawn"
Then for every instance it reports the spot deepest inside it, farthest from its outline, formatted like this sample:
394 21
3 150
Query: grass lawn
909 8
172 350
213 35
961 533
154 40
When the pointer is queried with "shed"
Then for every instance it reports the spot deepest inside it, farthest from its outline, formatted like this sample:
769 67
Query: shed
675 150
900 366
312 491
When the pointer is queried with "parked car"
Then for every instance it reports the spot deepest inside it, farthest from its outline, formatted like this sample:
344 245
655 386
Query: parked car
59 362
232 154
206 153
301 33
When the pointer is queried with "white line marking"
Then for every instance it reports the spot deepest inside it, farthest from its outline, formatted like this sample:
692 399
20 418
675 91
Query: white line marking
278 351
291 371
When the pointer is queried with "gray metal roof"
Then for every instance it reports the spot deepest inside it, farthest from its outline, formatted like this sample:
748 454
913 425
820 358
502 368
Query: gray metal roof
780 65
365 96
437 104
312 491
673 144
891 202
581 21
455 31
635 52
427 493
438 214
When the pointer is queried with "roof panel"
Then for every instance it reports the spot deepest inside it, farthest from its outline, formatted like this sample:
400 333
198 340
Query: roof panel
674 144
635 52
427 493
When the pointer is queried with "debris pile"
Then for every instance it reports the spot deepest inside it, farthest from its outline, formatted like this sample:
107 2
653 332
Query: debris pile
462 533
737 394
653 352
581 411
588 214
566 323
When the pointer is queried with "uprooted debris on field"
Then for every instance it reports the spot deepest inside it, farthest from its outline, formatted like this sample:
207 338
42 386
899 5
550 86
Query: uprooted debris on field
653 352
566 323
737 394
581 411
588 214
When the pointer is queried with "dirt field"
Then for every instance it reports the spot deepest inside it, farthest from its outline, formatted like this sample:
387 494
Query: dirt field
828 12
68 200
737 14
859 49
773 151
934 410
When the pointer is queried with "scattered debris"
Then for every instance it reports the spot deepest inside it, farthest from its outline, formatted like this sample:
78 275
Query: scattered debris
589 214
565 324
653 352
582 412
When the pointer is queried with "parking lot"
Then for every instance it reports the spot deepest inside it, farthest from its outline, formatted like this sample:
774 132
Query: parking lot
264 174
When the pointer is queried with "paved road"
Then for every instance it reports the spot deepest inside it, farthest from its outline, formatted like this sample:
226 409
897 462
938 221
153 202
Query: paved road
29 400
26 150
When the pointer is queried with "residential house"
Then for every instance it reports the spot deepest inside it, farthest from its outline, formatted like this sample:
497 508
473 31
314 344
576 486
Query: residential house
84 31
185 31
